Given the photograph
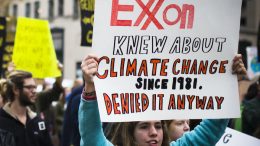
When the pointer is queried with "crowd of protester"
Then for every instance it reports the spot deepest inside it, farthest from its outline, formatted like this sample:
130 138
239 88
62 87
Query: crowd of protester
49 117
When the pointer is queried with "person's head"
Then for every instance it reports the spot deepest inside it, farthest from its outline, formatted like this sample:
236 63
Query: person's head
113 132
144 133
176 128
2 92
253 90
77 83
21 87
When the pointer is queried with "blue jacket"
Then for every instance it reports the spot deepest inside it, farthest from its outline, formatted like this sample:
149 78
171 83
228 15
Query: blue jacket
207 133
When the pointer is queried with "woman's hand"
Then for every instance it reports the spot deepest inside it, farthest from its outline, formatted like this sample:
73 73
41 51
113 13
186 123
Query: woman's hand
89 67
238 66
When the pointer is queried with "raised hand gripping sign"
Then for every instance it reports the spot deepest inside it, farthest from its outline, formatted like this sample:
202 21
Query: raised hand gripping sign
164 59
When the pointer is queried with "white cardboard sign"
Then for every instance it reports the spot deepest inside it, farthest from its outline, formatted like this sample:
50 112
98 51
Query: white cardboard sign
164 59
235 138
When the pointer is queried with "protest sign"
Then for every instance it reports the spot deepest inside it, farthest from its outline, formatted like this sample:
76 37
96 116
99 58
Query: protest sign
7 64
33 48
86 21
166 59
2 41
252 64
232 137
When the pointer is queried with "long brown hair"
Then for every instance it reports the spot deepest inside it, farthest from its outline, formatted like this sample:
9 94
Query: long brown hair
127 134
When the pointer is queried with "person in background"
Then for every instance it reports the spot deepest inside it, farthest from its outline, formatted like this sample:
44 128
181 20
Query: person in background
20 126
3 99
251 113
252 92
48 95
76 84
141 133
43 105
70 130
176 128
59 109
113 131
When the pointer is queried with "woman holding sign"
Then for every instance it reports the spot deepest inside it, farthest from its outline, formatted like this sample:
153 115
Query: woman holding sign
142 133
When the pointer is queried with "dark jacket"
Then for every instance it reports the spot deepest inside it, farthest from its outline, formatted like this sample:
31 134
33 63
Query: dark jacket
13 132
70 132
45 98
251 116
43 105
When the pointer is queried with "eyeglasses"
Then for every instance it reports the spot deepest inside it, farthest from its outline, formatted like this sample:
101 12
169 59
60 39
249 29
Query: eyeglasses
30 87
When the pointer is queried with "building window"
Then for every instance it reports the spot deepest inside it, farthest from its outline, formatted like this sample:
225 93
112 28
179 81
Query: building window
27 9
60 8
37 9
79 74
244 4
243 21
58 41
248 15
15 9
51 9
75 9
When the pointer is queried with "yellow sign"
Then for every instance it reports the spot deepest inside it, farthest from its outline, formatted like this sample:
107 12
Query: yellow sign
33 48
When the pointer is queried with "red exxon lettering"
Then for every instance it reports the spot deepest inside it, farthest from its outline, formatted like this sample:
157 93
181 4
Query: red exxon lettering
185 14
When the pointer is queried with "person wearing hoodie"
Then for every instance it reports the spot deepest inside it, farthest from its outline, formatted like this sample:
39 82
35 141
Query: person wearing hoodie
20 126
